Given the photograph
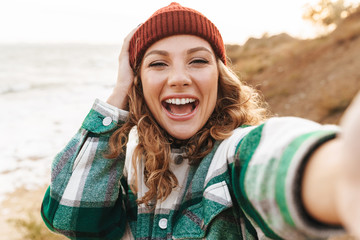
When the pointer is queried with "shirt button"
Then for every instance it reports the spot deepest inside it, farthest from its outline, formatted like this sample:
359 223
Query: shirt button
179 159
107 121
163 223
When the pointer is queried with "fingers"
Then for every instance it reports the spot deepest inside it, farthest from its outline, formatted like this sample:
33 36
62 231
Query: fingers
131 33
353 109
351 128
125 46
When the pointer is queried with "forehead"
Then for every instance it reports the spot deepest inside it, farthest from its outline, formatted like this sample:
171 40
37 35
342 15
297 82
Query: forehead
179 43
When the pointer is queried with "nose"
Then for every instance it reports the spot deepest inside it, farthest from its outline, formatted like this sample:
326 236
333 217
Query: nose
179 77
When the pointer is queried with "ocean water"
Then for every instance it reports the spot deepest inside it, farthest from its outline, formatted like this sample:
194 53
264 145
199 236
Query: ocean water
24 66
46 91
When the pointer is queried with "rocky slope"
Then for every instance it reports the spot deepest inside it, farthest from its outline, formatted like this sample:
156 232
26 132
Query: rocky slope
314 78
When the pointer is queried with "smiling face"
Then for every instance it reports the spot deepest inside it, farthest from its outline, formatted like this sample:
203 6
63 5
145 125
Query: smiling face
179 76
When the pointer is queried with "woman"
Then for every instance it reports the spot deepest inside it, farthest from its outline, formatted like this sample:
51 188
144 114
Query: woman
193 155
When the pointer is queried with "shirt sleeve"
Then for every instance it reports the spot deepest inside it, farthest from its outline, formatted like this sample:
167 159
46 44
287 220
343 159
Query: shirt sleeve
269 165
84 200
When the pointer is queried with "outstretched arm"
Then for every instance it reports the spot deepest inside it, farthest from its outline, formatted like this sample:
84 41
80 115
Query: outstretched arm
331 182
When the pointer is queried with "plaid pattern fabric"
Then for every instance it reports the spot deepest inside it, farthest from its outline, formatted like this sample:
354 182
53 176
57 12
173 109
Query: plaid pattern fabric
248 187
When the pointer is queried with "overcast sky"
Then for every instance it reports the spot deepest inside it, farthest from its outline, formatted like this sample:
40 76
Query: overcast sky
108 21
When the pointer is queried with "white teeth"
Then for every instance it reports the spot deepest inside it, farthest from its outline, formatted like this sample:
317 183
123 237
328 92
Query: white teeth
179 101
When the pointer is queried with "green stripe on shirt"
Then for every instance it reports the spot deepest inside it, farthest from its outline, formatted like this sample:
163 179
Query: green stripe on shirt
244 153
286 161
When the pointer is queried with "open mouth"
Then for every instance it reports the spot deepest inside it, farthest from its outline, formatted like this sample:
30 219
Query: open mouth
180 106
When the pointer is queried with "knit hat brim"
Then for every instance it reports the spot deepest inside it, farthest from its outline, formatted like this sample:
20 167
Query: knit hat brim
174 20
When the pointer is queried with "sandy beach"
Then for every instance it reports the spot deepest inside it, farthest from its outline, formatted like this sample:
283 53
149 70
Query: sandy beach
21 204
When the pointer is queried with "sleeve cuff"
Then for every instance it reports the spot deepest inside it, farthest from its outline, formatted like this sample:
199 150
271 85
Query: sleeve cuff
291 206
104 117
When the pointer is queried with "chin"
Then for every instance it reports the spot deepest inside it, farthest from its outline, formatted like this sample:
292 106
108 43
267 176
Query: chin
182 135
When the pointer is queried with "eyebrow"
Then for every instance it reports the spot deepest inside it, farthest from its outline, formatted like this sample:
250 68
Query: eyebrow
192 50
165 53
160 52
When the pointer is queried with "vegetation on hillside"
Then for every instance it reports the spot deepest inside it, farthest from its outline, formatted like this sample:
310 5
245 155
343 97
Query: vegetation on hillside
314 78
327 12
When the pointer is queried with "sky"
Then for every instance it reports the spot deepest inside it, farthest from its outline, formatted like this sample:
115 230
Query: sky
109 21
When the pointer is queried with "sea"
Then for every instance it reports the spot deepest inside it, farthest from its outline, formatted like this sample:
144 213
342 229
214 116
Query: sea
46 91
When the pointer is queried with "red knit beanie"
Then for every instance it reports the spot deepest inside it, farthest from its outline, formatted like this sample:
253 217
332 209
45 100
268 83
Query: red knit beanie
172 20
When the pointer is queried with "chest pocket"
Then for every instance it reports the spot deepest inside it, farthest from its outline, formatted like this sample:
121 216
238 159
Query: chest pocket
195 219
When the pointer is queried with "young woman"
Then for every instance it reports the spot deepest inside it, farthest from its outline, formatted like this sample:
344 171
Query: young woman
184 150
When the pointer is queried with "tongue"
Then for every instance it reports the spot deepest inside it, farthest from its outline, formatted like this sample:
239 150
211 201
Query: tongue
181 109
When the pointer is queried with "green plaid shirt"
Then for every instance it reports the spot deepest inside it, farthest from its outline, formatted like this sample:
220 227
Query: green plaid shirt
248 187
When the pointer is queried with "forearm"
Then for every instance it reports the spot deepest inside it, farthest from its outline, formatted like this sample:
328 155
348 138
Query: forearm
119 97
272 178
320 183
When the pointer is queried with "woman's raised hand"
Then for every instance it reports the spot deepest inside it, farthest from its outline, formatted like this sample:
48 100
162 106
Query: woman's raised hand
125 78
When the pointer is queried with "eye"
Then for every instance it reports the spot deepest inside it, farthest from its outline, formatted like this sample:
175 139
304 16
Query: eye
199 61
157 64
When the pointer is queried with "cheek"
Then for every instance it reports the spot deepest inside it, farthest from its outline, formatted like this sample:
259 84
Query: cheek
146 91
213 96
149 97
151 94
209 86
147 88
152 84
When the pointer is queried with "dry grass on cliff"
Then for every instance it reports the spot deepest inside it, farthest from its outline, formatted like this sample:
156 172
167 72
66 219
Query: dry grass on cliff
315 79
